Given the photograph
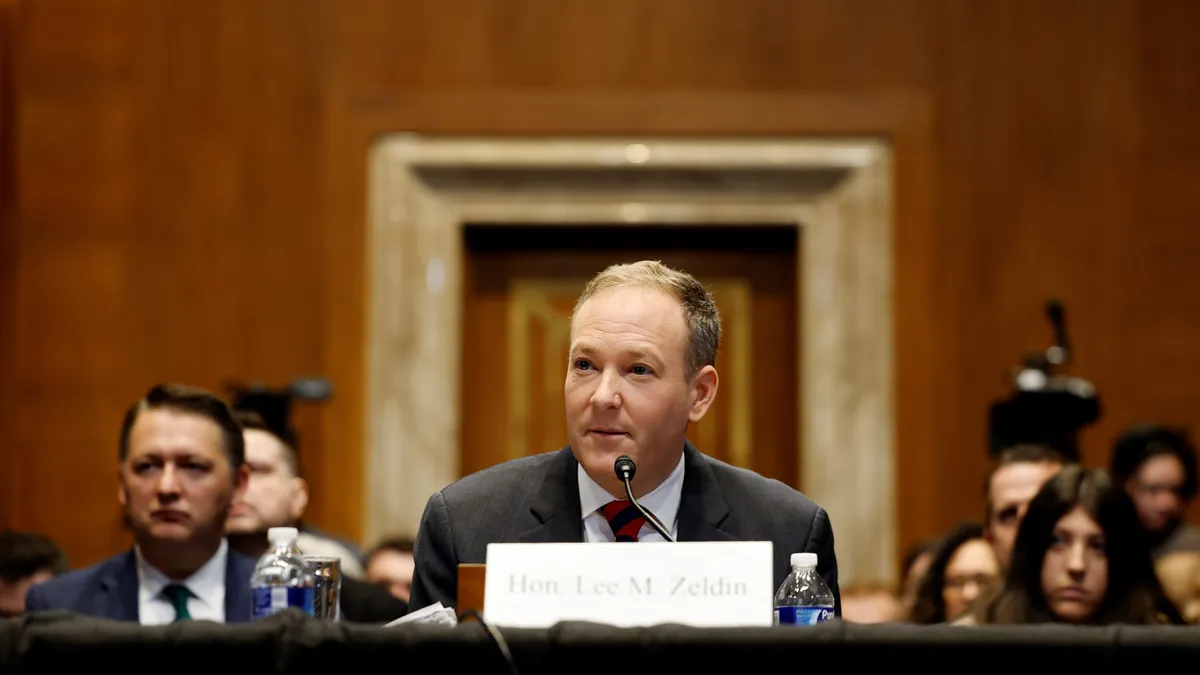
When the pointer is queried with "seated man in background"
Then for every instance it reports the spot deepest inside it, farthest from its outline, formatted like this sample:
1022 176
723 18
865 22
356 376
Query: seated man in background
390 565
276 496
1018 474
26 559
182 466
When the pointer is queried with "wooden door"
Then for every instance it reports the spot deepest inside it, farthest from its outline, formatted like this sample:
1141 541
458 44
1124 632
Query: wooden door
521 286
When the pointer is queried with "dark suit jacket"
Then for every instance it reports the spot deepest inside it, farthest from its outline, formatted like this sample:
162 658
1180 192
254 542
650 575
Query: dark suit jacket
364 602
536 499
109 589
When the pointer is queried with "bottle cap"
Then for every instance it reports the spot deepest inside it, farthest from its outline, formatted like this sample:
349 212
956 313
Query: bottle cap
275 534
804 560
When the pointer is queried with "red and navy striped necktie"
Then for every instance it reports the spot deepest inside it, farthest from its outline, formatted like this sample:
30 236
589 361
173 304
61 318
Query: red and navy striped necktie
624 519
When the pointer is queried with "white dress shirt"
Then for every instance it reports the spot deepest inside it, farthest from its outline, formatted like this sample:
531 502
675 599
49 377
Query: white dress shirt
207 586
662 501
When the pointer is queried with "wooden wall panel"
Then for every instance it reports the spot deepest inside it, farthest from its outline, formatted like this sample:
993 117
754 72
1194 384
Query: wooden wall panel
167 186
9 245
189 210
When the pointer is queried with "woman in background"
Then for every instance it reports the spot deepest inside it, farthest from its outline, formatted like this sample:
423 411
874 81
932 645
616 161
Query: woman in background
1080 557
962 570
916 563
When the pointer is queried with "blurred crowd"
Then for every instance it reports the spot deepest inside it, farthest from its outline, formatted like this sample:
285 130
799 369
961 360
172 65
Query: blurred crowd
1060 542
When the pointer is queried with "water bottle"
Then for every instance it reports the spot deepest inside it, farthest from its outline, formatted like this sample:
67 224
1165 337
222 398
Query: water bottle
282 578
804 598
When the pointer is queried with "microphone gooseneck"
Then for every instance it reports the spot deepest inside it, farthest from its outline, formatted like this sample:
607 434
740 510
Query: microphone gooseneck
625 470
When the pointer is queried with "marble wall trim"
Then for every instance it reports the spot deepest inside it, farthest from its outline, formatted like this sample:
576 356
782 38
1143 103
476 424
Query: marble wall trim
844 285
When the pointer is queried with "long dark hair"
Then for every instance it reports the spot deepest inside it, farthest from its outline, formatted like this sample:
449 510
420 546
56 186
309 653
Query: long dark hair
1133 595
930 607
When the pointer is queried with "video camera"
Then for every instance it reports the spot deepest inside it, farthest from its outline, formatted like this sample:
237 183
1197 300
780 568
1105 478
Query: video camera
1047 408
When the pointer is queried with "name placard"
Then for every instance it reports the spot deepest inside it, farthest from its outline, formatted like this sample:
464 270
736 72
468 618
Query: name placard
711 584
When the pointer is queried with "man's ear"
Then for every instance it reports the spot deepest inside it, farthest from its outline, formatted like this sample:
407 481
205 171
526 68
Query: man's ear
299 500
122 492
704 392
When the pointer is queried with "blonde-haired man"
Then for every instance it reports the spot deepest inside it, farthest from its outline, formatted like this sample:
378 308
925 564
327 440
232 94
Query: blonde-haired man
644 341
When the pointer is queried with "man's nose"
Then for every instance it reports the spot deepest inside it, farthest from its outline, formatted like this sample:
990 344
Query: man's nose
970 591
607 394
1166 502
168 481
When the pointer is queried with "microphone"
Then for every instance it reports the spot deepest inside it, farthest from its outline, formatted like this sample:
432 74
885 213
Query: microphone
625 469
1057 354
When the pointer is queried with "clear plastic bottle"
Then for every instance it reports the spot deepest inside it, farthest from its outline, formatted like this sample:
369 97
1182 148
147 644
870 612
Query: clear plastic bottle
804 598
282 578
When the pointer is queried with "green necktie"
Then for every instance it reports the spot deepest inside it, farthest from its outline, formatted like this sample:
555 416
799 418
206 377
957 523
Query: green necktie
178 595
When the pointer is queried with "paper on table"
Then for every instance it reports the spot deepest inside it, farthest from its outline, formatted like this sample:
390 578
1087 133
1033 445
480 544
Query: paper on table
434 613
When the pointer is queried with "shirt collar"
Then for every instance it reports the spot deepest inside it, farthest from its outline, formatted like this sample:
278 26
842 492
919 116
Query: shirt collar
662 501
207 583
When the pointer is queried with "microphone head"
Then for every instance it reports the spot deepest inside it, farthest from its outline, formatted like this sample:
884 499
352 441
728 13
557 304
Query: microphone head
624 467
1054 311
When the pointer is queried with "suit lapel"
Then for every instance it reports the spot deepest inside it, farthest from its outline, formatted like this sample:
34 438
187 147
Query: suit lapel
702 508
555 502
238 570
118 598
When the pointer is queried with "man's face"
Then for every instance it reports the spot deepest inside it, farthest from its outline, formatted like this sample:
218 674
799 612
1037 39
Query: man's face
1157 492
392 570
176 483
626 388
275 496
1012 488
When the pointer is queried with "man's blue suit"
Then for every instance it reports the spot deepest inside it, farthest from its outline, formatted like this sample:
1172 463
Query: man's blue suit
109 589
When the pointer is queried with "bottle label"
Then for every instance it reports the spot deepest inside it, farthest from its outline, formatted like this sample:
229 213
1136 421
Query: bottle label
269 600
802 616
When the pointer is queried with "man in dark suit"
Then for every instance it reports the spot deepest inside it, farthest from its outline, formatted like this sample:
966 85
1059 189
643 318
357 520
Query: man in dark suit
181 467
644 342
276 496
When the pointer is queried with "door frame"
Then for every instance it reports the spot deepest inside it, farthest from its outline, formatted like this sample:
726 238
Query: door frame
399 408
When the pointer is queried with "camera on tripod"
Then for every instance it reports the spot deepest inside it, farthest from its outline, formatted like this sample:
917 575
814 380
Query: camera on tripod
1047 407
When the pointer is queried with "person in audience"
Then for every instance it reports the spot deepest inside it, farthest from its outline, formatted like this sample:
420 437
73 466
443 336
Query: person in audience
1179 575
1080 557
390 566
963 569
916 564
26 559
643 344
869 604
1157 466
181 467
275 496
1017 476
